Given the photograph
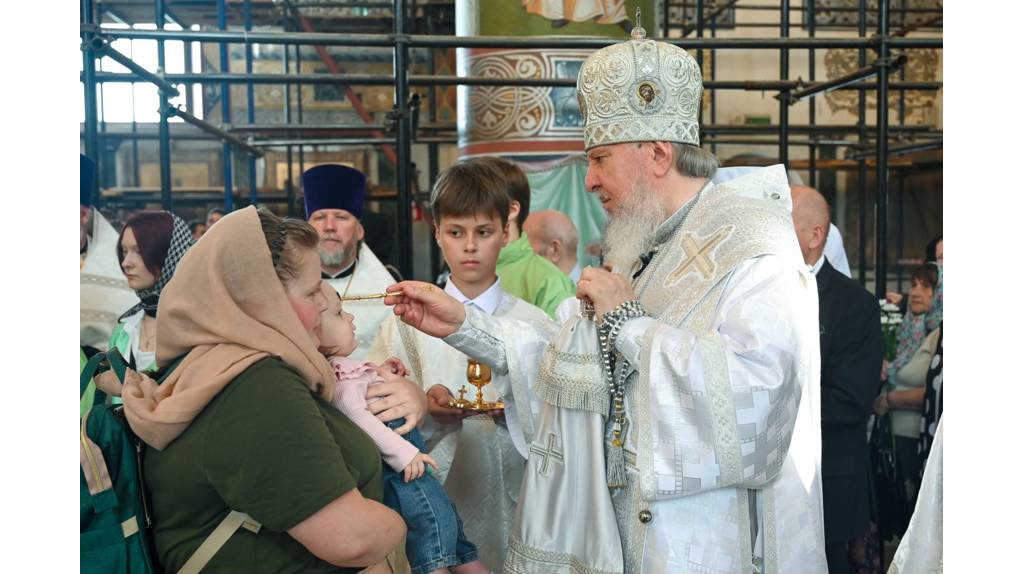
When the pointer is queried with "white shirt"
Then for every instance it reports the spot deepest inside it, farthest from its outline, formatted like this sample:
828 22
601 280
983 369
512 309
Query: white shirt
144 360
487 301
817 265
835 252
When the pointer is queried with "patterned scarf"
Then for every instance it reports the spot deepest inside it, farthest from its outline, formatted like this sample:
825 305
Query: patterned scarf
181 241
915 328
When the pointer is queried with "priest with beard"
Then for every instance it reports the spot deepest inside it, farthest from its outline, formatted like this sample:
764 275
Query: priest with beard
708 328
333 196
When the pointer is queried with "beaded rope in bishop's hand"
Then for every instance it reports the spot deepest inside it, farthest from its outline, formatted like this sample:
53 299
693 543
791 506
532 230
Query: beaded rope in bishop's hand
611 324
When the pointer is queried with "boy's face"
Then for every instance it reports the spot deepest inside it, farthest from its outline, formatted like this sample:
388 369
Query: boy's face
471 244
337 331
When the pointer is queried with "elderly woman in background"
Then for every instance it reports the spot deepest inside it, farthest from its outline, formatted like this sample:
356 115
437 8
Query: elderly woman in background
243 420
932 254
903 395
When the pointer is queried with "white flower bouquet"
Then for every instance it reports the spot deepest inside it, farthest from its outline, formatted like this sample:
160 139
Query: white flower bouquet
891 320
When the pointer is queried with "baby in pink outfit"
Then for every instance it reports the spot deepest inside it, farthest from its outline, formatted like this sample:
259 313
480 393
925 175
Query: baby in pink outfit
337 341
435 542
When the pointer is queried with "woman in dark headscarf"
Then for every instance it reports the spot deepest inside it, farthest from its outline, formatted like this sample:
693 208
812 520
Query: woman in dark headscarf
149 249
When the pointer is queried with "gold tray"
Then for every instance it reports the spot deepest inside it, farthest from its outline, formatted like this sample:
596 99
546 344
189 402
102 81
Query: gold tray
471 406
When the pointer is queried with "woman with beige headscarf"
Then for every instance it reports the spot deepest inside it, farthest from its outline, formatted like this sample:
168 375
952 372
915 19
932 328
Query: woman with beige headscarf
243 422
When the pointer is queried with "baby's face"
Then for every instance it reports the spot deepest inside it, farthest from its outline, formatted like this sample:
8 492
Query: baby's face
337 332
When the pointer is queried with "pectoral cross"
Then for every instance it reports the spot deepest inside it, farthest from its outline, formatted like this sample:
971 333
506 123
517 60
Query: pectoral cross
547 454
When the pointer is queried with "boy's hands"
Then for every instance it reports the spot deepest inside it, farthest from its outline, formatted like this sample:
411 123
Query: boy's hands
417 467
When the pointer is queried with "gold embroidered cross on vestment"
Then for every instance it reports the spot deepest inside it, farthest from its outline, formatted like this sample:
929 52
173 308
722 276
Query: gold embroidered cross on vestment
697 256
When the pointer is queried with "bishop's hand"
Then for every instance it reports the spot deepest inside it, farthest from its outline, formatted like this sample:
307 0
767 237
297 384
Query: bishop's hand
426 307
605 289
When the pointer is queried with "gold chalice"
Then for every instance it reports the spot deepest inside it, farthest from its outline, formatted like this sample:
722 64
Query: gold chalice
478 375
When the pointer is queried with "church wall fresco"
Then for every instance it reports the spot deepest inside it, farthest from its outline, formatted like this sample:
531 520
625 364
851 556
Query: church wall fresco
536 123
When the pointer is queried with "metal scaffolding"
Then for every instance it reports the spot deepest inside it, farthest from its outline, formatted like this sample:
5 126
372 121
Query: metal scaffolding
395 138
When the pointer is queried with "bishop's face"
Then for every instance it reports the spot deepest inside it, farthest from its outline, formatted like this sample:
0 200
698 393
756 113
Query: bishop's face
612 174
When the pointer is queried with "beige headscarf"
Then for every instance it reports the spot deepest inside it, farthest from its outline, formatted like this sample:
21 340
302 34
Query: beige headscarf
225 308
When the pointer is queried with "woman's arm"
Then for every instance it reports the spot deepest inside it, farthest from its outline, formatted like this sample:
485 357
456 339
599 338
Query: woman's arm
333 536
909 400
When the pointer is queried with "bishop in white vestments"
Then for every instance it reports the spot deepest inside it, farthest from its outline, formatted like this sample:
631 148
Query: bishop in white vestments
708 336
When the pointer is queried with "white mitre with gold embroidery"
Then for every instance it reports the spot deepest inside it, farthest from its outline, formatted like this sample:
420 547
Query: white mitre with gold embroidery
639 90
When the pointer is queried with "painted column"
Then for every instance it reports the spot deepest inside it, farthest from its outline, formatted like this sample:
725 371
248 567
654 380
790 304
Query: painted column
540 128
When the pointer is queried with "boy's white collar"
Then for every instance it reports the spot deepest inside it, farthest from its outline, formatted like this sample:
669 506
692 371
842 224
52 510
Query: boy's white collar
488 301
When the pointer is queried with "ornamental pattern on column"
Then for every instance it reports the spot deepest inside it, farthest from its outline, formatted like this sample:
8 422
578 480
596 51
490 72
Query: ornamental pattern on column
515 112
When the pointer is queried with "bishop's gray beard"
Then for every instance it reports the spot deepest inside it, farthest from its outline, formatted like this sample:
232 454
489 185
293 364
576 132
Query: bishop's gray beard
630 234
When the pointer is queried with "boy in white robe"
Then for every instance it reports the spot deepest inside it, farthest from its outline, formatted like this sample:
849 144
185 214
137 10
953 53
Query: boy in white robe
481 464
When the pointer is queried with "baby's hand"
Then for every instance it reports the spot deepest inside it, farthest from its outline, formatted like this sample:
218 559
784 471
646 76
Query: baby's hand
416 467
394 366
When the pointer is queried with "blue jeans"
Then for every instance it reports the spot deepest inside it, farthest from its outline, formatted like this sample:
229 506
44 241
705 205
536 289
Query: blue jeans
435 538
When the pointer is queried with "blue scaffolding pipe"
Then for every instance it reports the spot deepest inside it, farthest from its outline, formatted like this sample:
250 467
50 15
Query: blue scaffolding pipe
165 131
290 187
422 41
89 79
228 139
882 161
102 47
250 115
862 166
783 75
435 80
403 149
812 149
225 106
